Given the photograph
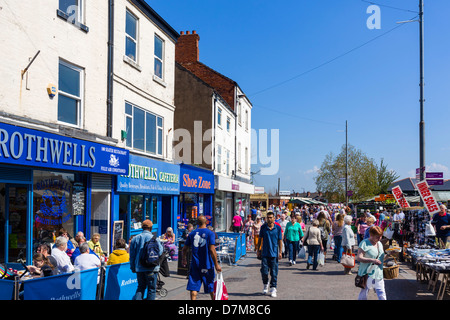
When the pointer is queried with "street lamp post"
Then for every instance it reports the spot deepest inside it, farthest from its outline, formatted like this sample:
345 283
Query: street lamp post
422 121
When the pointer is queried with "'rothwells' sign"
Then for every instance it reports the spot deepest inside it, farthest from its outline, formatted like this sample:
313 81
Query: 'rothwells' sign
427 197
398 195
23 146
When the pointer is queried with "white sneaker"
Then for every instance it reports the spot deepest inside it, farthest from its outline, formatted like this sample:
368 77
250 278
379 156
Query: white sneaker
293 262
273 292
266 289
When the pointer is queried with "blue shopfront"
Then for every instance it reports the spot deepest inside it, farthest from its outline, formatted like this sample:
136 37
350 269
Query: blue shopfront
196 195
149 191
48 182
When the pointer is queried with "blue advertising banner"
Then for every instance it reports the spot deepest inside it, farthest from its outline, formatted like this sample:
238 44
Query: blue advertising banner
146 175
196 180
80 285
6 289
120 282
23 146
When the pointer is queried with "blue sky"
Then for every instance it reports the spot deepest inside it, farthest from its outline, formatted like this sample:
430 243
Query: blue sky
262 44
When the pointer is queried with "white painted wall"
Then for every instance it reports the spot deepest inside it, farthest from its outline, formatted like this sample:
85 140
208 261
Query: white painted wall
243 135
224 139
32 25
135 83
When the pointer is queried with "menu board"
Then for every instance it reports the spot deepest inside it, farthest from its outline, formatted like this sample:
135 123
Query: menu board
78 203
118 231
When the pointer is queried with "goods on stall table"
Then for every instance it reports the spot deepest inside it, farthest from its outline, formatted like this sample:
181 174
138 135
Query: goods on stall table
391 269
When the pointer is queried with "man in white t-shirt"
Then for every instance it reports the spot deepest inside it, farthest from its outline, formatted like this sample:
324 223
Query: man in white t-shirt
86 260
399 216
63 264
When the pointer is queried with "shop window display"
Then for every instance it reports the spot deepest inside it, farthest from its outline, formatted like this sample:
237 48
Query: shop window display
57 198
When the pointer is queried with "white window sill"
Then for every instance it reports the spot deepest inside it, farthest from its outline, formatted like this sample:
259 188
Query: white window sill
132 63
159 81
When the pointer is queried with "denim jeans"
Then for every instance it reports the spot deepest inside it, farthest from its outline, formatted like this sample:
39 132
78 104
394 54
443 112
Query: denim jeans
269 264
146 280
293 249
338 248
313 252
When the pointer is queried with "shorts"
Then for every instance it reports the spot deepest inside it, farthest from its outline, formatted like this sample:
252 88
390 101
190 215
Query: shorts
198 277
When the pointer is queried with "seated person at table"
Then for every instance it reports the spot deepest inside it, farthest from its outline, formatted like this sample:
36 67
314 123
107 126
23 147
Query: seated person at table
63 264
41 266
86 260
120 255
46 251
94 244
70 247
77 251
169 235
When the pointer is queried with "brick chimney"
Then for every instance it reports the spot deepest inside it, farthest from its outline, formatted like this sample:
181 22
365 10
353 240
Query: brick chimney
186 49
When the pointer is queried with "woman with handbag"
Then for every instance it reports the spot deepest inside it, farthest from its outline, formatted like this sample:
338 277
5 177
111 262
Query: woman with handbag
313 241
371 257
348 241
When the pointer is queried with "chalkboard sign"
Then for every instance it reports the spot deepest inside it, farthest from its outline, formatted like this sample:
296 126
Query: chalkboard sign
118 231
78 204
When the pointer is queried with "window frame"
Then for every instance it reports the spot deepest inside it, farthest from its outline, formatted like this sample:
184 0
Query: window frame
219 158
80 99
163 46
136 41
159 142
219 117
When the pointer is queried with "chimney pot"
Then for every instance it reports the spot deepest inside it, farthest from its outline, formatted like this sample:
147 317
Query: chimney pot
194 32
188 32
181 32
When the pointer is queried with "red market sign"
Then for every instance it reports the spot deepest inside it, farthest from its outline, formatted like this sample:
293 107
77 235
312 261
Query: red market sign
427 197
398 195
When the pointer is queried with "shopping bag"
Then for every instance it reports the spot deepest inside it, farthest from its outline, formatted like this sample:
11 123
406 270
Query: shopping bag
388 233
348 260
429 230
321 259
302 253
220 290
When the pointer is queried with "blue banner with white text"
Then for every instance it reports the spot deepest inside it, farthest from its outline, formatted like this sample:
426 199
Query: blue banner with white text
81 285
23 146
120 282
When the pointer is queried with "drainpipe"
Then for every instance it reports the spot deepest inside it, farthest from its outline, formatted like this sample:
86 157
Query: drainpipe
109 101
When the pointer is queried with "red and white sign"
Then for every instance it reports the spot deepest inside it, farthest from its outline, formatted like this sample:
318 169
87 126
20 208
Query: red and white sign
398 195
427 197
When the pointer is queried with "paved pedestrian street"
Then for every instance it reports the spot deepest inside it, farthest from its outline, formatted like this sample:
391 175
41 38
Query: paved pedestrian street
295 282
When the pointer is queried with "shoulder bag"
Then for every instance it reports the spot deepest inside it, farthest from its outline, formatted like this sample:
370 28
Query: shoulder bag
361 281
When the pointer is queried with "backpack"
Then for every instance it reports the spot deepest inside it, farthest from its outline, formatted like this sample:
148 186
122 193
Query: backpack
323 232
150 254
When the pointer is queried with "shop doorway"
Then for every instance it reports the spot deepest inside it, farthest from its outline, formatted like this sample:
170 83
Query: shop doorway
13 222
229 212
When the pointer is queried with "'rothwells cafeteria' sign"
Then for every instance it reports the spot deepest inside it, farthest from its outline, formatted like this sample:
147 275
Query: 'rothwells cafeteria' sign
398 195
427 197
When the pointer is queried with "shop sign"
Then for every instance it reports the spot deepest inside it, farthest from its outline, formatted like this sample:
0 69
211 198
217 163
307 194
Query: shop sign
196 180
427 197
146 175
398 195
23 146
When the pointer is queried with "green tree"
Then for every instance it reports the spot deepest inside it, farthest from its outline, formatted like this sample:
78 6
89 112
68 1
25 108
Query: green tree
365 177
385 177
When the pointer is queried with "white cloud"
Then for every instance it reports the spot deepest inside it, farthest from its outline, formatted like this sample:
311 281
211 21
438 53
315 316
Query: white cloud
313 170
437 167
